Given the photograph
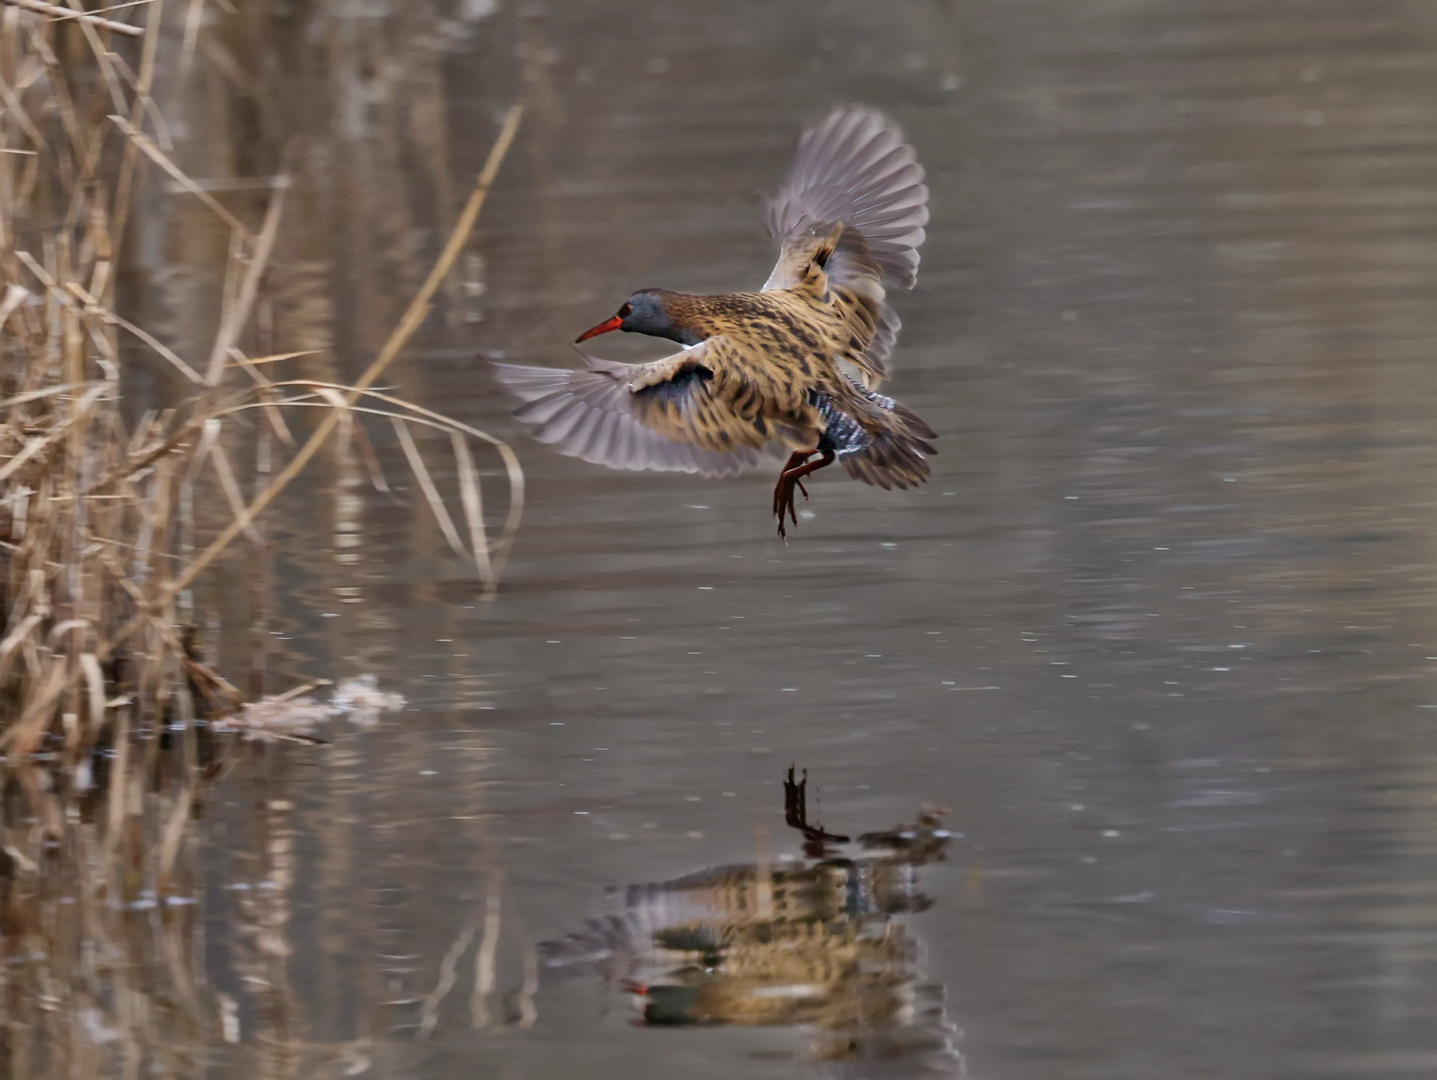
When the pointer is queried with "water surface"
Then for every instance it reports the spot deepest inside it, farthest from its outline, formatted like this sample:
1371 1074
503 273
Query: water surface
1159 634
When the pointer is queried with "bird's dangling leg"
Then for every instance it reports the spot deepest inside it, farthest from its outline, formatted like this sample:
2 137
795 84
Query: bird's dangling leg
792 477
795 459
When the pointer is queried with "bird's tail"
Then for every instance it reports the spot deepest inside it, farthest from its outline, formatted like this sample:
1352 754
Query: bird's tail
897 453
855 169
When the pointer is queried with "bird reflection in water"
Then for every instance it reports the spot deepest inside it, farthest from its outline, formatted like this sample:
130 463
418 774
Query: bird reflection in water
813 943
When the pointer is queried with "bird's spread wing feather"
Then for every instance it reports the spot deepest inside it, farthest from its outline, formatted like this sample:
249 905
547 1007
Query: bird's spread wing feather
854 169
850 218
659 416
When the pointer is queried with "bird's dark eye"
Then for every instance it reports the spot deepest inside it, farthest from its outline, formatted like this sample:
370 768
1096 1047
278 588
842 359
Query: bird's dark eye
626 311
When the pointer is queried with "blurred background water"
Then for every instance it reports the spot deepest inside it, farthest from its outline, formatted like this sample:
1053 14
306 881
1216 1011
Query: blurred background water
1159 634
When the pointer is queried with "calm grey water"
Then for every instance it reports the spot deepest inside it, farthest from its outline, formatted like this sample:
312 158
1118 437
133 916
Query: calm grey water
1160 634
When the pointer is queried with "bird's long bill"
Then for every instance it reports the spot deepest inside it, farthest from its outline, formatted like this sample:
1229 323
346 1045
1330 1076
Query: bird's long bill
603 328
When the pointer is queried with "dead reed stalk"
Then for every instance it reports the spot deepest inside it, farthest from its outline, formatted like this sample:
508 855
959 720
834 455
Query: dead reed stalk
96 517
111 723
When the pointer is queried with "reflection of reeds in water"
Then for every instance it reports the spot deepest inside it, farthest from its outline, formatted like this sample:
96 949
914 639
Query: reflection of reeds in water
813 944
96 971
111 720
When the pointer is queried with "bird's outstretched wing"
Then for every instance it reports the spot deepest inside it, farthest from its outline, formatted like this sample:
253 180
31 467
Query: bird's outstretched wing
659 416
855 169
852 176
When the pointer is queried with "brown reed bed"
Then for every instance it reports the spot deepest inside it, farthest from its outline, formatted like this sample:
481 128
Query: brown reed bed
109 714
99 542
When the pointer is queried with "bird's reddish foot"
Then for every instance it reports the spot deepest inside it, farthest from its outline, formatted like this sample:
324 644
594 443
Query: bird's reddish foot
792 477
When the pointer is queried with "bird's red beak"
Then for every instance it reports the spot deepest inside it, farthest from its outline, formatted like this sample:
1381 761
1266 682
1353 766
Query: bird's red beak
603 328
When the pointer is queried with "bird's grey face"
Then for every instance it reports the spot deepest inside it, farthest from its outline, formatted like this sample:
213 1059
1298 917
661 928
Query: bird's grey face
645 313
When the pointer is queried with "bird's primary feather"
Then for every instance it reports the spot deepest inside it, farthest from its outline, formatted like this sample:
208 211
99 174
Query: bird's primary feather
854 169
617 415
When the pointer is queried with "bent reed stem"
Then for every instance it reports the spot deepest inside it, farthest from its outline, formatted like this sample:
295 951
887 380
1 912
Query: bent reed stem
418 309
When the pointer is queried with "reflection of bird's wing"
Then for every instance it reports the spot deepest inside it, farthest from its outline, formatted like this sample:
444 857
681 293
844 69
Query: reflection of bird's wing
612 946
853 170
659 416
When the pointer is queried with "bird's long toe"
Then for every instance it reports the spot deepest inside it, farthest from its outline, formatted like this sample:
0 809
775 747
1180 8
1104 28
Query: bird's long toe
783 505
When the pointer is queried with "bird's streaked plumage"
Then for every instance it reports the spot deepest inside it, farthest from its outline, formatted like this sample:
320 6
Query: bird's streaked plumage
793 366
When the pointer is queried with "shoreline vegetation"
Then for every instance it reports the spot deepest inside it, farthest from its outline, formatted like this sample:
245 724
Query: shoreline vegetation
112 721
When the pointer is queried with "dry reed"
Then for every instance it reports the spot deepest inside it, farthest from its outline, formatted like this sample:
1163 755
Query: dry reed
111 722
96 518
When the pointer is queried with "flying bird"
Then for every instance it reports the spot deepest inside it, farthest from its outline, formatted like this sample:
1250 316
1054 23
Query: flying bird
793 367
